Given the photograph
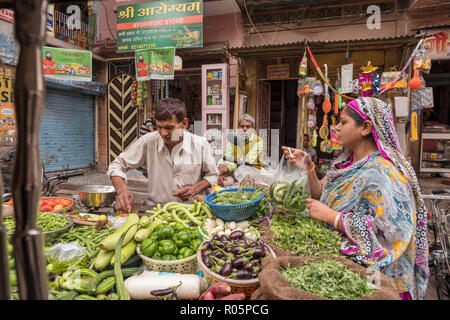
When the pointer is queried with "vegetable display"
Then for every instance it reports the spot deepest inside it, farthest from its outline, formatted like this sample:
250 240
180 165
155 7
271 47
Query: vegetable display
217 226
304 236
289 196
236 197
234 257
47 221
330 279
173 212
56 204
171 242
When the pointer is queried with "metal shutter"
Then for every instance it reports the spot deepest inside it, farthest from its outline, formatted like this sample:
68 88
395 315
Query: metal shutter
67 139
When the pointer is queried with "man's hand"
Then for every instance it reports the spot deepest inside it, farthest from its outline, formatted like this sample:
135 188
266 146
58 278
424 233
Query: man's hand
186 192
223 169
124 200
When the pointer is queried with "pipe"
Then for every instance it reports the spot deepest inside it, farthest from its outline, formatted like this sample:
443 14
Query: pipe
31 19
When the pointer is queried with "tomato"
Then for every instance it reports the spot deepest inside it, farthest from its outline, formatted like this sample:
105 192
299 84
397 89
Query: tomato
9 203
59 206
42 202
66 202
46 208
51 202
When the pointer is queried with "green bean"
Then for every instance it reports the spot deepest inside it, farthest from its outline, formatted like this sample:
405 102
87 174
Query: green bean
46 221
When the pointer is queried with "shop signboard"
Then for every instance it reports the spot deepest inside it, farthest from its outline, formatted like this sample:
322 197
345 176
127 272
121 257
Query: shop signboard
277 71
67 64
160 24
8 128
7 15
437 44
156 64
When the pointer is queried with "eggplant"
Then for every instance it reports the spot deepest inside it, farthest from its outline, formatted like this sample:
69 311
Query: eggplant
254 275
216 237
226 269
218 254
238 262
207 261
243 274
206 245
229 249
238 234
206 252
247 267
266 250
259 252
235 249
162 292
223 238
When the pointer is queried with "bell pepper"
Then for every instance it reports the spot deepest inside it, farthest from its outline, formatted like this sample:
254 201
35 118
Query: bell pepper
167 247
157 255
168 257
178 227
182 238
150 249
180 256
165 233
188 252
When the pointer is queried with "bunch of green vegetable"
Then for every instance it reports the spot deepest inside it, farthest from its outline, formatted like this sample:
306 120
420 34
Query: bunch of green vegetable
173 212
47 221
289 196
86 284
171 242
236 197
304 236
87 236
330 279
12 273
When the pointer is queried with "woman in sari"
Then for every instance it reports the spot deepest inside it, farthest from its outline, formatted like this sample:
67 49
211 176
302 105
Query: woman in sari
372 196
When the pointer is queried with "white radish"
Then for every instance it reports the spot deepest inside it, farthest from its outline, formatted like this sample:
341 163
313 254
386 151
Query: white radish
140 286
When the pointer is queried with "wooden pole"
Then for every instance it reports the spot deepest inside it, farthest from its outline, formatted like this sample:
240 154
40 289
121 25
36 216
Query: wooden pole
30 24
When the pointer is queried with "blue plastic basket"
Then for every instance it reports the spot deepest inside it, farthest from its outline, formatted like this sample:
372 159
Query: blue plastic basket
233 212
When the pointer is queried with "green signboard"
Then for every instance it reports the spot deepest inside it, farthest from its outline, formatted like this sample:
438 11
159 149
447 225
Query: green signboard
67 64
160 24
157 64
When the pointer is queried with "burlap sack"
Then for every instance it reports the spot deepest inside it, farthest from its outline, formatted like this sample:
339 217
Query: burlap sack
274 286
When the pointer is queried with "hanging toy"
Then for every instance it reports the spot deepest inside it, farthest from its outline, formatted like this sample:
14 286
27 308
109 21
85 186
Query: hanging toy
303 67
310 104
366 80
376 83
312 121
415 82
314 138
335 143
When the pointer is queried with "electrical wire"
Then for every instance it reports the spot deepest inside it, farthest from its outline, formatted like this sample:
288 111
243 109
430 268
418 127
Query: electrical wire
248 15
107 20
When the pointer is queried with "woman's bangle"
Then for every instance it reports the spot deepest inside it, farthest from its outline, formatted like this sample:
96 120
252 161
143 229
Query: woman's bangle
336 220
312 169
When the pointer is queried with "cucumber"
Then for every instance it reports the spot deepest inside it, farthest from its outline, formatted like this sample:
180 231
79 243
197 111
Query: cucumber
133 262
70 295
106 274
110 242
106 285
103 259
127 251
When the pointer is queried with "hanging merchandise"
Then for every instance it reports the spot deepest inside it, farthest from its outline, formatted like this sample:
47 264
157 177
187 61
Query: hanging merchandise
388 78
337 97
415 82
366 80
376 83
346 76
134 93
312 121
401 107
314 138
334 138
356 86
318 88
310 104
303 67
422 61
303 87
422 99
414 126
325 145
326 103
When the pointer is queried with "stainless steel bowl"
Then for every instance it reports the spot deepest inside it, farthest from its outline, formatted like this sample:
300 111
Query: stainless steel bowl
97 196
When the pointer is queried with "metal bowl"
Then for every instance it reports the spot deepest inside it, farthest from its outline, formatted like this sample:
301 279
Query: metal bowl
97 196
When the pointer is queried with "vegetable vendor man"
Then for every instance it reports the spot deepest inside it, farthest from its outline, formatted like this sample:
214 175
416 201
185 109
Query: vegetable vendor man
180 164
250 151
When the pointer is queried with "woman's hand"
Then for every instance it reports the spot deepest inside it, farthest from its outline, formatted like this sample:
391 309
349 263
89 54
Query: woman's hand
320 211
297 157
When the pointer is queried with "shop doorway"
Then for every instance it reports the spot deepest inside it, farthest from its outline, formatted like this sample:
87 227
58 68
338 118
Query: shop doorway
278 110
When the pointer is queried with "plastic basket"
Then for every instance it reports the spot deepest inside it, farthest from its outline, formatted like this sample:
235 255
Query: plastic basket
233 212
187 265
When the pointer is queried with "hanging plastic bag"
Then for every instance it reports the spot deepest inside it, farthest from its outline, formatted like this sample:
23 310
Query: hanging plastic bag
64 255
290 187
